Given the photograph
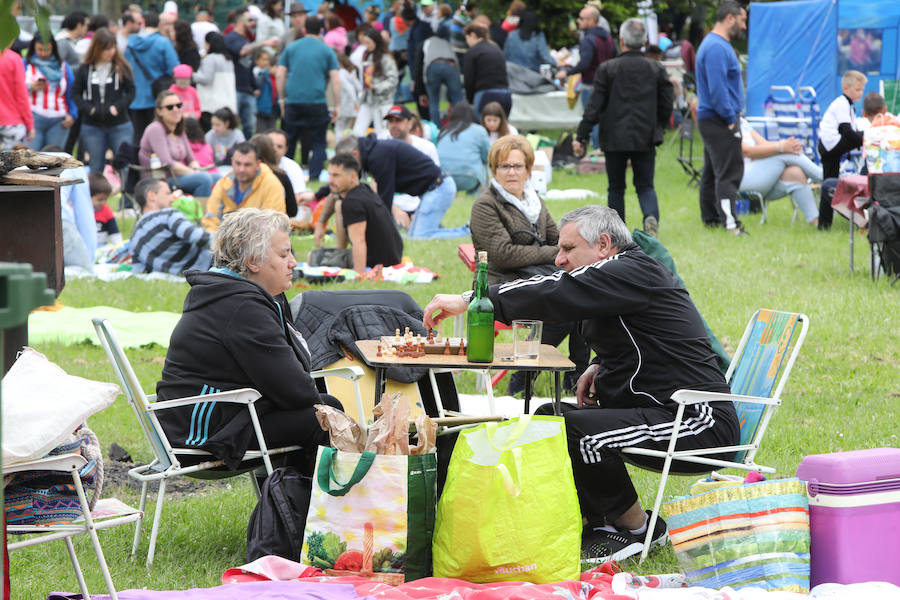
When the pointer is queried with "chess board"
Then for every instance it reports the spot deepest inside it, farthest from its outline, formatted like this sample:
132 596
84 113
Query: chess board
409 345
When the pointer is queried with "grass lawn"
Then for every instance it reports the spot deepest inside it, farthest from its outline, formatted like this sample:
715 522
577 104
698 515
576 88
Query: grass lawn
842 394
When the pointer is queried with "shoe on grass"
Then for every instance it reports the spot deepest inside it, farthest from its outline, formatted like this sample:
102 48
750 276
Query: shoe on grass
651 226
599 545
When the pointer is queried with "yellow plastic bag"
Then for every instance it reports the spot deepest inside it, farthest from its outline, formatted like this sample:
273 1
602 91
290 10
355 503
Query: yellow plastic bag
509 511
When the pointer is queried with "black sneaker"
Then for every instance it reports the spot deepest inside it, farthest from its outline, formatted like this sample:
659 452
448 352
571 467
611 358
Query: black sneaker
660 532
600 546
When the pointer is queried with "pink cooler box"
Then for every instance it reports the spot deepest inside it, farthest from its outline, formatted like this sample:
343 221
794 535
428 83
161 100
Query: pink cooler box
854 515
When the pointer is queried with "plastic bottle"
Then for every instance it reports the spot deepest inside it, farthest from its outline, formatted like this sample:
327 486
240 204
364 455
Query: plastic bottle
480 343
155 163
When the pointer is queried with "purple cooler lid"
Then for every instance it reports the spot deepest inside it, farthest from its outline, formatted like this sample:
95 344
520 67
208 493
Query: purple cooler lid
855 466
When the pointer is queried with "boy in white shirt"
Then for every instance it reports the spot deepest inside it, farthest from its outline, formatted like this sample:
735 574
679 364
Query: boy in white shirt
838 135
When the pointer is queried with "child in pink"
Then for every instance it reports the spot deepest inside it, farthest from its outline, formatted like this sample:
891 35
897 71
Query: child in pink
203 152
186 92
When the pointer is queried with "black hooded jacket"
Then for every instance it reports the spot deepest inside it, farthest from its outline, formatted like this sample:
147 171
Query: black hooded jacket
397 167
232 334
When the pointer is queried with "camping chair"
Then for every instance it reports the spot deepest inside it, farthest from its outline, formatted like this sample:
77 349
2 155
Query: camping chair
107 513
126 163
688 161
167 459
883 207
890 91
757 375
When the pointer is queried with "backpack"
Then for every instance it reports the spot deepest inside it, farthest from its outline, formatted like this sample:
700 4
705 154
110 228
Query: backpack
277 523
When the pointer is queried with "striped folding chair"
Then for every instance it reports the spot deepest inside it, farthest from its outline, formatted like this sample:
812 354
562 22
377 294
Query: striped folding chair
757 375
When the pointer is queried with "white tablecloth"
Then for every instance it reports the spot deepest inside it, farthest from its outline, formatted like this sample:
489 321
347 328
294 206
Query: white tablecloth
544 111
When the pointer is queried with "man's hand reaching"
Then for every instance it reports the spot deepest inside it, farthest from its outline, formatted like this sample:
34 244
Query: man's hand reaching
584 390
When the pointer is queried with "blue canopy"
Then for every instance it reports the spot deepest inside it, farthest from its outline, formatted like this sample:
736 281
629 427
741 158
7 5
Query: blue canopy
813 42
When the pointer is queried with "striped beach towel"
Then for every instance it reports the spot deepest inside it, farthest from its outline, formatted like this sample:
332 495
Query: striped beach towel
748 535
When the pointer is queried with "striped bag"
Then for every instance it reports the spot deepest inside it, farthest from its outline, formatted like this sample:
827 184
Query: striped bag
753 534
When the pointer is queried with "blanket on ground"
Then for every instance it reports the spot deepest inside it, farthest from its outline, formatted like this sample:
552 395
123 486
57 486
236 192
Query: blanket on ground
73 326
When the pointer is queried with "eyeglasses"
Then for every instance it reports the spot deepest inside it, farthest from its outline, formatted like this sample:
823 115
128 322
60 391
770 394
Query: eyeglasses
507 168
172 106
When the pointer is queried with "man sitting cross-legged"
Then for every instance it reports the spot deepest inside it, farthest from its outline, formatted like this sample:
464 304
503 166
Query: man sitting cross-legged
649 342
163 240
250 184
369 224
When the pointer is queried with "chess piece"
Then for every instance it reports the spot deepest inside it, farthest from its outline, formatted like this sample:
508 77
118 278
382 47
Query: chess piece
447 346
462 348
378 354
430 338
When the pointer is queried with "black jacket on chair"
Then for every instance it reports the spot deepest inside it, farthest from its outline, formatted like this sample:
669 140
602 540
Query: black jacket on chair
632 102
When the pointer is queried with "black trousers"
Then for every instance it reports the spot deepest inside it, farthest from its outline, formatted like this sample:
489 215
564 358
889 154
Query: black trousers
643 166
723 168
595 435
831 168
141 118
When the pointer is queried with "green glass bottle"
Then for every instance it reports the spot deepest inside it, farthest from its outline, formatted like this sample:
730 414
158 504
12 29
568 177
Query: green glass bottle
480 343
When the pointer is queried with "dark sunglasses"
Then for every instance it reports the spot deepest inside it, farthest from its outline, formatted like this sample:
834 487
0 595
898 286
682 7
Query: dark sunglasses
172 106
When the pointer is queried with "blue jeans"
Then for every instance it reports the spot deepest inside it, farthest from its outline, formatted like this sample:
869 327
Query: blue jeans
97 140
764 176
586 91
426 223
48 131
308 124
247 112
199 184
442 73
643 166
494 93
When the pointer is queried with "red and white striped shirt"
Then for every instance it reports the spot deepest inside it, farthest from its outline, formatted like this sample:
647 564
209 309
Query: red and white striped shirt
51 101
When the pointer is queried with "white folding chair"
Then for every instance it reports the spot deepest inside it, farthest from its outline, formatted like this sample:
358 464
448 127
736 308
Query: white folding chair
166 463
757 375
88 524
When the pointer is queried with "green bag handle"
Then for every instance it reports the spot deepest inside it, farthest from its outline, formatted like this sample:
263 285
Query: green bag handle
519 428
325 472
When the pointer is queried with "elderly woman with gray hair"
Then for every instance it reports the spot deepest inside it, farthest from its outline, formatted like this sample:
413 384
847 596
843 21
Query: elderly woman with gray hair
236 332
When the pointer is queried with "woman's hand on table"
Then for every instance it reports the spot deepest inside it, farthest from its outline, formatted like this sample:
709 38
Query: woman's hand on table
584 389
446 305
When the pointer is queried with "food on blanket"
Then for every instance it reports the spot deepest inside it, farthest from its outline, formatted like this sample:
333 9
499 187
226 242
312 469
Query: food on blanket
351 560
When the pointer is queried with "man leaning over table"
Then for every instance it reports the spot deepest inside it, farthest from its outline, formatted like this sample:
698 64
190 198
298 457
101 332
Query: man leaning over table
649 341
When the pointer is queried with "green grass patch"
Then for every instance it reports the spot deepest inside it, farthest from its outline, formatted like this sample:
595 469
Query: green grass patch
843 393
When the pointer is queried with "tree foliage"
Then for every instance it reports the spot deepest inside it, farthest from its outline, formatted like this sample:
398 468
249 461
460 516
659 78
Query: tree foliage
9 29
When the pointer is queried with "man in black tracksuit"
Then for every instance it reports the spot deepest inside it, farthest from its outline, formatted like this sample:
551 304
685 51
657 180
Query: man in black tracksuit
649 342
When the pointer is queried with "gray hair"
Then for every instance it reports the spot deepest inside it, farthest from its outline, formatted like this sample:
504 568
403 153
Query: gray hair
592 220
347 145
633 33
244 235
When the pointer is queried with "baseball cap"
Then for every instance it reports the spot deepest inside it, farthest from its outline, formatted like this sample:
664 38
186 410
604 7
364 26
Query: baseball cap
426 2
298 7
254 11
399 111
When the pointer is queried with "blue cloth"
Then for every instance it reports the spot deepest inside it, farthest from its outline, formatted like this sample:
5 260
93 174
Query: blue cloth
247 112
48 131
265 103
720 90
398 40
531 53
76 206
49 68
157 56
199 184
467 154
309 63
426 223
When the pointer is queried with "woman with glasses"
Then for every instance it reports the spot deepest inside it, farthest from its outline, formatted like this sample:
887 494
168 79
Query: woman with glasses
103 89
463 148
166 139
511 222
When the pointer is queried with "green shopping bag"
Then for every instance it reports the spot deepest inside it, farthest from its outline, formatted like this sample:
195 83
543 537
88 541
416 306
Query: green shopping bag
509 511
371 515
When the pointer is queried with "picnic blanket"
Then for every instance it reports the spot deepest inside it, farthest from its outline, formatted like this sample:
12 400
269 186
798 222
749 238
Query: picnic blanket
405 272
73 326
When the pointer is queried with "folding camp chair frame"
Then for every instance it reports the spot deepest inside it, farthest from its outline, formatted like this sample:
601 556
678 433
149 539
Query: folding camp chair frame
685 398
72 464
686 132
166 463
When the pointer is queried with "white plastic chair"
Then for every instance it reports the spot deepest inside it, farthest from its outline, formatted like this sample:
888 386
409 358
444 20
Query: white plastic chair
757 375
166 463
88 524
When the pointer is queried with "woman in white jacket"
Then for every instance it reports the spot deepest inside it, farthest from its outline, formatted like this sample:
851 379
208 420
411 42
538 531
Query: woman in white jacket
215 79
380 79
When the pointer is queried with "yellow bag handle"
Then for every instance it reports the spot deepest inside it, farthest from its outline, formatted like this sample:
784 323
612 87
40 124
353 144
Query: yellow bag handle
512 484
490 431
